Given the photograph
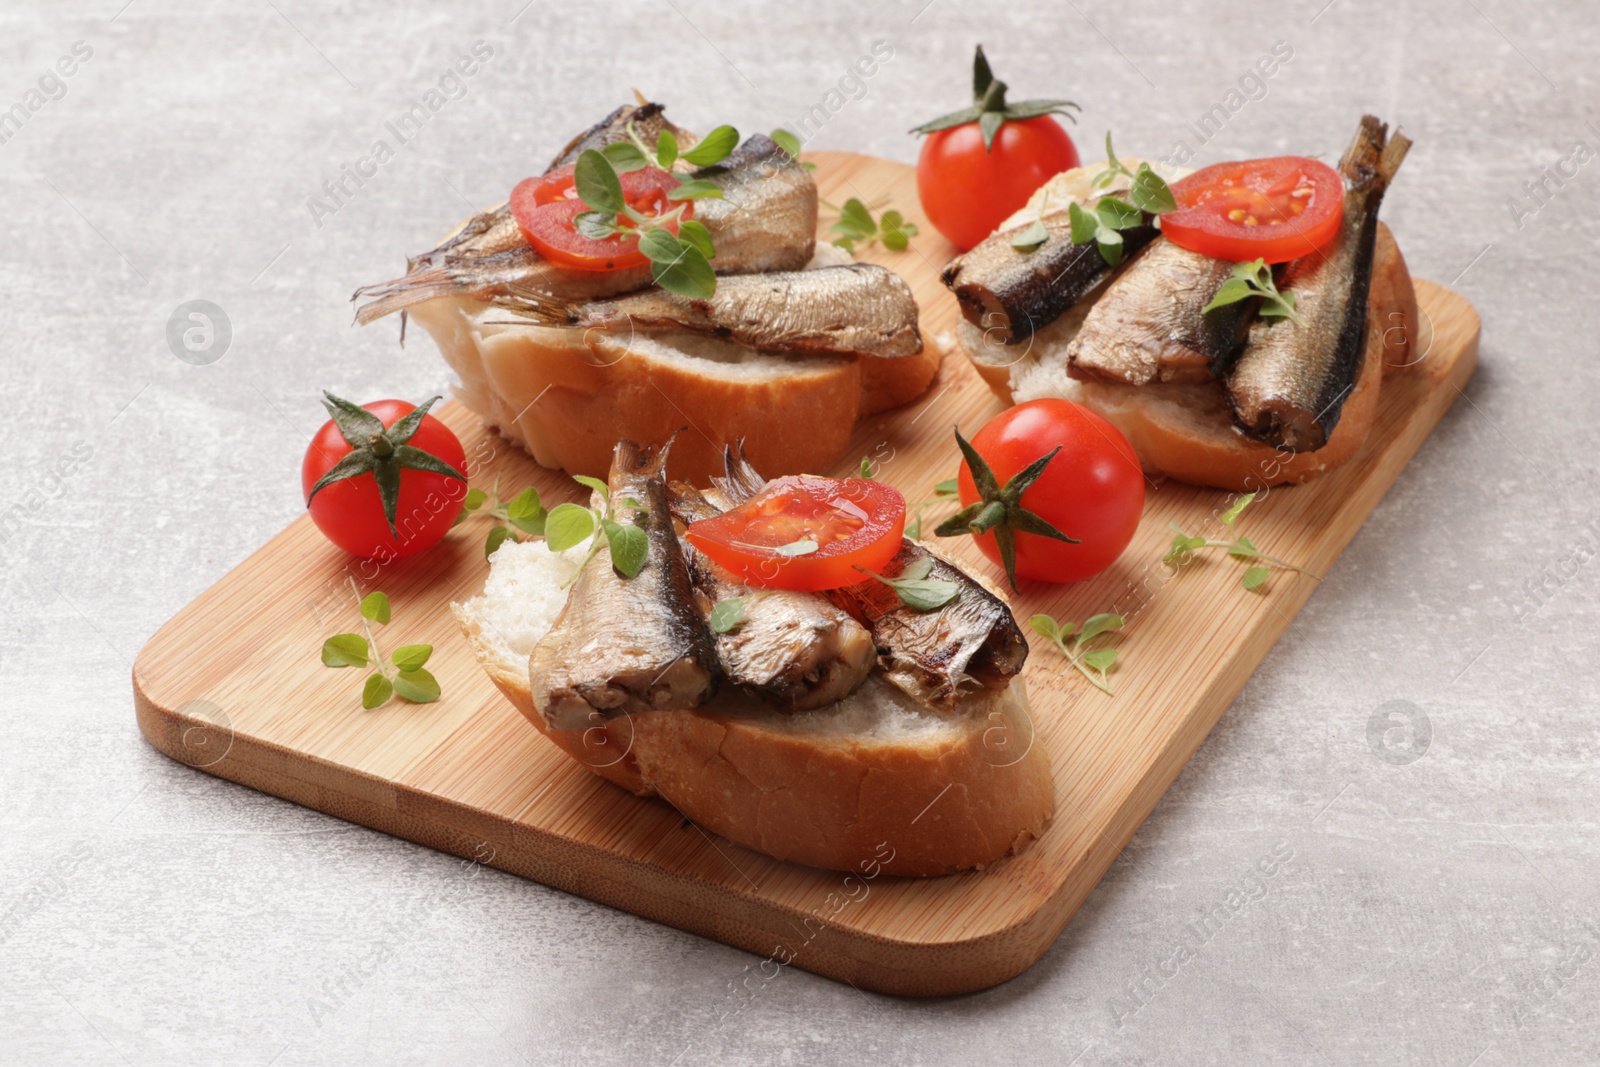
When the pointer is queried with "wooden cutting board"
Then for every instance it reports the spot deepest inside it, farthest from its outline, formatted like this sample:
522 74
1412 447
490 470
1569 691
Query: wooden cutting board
233 685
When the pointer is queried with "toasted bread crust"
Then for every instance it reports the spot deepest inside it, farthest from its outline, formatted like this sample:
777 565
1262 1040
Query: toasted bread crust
568 396
963 801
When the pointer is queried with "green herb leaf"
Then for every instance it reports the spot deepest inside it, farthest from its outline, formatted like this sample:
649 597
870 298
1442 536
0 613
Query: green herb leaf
417 686
498 536
567 525
916 590
625 156
629 546
689 275
1182 545
1230 292
375 606
948 487
597 183
1117 214
696 189
786 141
345 650
1243 549
914 527
1280 308
855 221
695 233
660 245
727 615
526 513
666 149
1113 167
376 692
1150 193
1110 244
1101 659
1252 279
591 482
1098 624
896 231
925 594
866 468
803 547
714 147
1045 626
595 225
1084 224
1255 576
474 500
411 657
1030 237
1232 514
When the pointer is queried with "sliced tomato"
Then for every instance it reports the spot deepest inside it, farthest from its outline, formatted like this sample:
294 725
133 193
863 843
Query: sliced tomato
546 207
852 522
1274 209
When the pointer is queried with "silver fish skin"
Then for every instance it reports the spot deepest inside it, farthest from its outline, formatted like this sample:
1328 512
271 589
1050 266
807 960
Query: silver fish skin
628 645
794 650
973 642
933 656
856 309
765 221
1150 324
1289 385
1009 293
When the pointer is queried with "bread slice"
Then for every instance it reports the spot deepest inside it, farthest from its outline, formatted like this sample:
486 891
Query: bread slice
568 396
1187 432
876 778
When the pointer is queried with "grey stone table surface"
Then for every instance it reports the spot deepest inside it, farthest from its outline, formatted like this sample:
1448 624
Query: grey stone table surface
1438 902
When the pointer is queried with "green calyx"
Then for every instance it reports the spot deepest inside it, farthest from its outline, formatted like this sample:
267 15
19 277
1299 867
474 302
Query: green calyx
380 451
998 509
989 108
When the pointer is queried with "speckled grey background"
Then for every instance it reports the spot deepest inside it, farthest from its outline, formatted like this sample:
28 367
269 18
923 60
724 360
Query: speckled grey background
1437 911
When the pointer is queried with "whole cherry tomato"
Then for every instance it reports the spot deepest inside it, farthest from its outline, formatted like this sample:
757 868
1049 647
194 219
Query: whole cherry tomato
1091 491
383 480
980 164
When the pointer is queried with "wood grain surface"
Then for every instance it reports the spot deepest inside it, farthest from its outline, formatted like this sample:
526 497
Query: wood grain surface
233 685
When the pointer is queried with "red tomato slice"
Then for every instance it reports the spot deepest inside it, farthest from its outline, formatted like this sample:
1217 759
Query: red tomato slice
1274 209
853 522
545 207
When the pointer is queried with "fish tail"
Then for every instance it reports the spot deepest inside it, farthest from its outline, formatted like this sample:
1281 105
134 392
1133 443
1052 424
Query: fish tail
1373 158
632 462
740 480
385 298
541 307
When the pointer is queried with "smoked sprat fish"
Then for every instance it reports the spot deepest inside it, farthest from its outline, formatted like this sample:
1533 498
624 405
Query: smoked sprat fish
1289 385
973 641
624 645
1009 293
794 649
766 220
1150 325
854 309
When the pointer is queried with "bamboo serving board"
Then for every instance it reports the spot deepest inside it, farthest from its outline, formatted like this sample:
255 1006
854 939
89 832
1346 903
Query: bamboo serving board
233 685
